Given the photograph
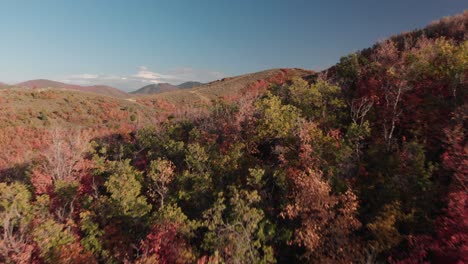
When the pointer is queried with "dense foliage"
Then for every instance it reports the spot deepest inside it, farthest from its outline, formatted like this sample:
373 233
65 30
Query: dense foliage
364 163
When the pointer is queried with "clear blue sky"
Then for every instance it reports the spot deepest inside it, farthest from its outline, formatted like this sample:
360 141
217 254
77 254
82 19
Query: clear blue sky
129 43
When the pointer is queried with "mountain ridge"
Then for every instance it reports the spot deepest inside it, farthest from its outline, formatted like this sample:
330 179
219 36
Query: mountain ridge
189 85
97 89
155 88
165 87
226 88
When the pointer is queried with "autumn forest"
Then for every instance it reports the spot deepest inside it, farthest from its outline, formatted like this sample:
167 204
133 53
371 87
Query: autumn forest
364 162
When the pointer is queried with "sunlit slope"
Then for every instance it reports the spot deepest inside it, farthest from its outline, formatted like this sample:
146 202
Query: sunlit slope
226 88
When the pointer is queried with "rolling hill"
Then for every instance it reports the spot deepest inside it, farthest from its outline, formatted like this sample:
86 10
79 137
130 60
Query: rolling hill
227 88
155 88
98 89
188 85
27 117
165 87
104 90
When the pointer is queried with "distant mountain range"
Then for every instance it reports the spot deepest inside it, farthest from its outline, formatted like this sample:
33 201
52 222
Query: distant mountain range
165 87
102 89
189 85
98 89
227 88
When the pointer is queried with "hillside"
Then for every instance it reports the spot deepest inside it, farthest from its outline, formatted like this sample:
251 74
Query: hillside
228 88
164 87
27 116
365 162
43 83
97 89
105 90
155 88
188 85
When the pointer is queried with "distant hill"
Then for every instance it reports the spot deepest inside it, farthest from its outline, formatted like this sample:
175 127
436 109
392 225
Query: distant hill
105 90
165 87
188 85
3 85
155 88
235 85
98 89
42 83
228 88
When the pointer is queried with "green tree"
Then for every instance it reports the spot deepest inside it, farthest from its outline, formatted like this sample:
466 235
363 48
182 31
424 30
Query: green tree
320 101
92 233
16 215
51 237
234 230
125 190
195 184
161 173
277 120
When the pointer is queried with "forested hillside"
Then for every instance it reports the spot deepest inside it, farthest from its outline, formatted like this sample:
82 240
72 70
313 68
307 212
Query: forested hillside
365 162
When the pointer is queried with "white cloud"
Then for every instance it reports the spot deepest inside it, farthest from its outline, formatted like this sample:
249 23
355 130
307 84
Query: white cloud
144 76
145 73
86 76
191 74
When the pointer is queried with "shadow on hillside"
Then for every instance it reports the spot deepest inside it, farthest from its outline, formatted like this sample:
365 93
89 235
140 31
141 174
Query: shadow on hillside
22 172
17 173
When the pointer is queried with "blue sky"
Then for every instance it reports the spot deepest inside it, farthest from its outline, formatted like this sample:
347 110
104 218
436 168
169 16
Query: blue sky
131 43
